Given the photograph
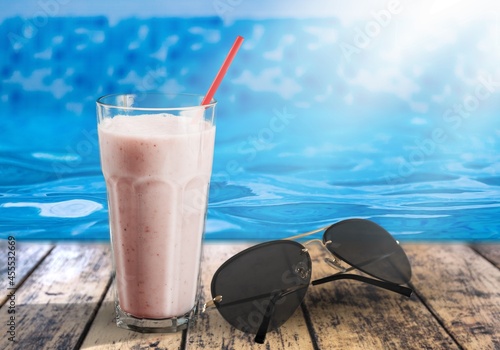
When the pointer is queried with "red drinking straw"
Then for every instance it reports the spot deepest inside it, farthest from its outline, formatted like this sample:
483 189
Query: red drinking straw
222 71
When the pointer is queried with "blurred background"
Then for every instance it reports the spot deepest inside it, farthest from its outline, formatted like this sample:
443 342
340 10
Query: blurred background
385 110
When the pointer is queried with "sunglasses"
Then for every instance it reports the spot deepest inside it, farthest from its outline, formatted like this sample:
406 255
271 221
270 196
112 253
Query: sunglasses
259 289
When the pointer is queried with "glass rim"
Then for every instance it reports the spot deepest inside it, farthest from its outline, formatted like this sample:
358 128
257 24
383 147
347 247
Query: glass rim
100 102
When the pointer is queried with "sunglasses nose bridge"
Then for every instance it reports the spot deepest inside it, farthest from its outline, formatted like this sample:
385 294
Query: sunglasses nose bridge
335 264
333 261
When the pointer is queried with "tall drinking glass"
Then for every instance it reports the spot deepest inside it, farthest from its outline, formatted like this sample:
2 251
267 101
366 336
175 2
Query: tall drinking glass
156 157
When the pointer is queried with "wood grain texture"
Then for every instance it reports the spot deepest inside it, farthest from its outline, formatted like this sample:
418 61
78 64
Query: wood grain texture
104 334
456 305
353 315
27 257
59 299
211 331
462 290
490 251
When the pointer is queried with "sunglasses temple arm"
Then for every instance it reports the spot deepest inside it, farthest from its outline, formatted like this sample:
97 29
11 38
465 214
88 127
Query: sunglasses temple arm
386 285
282 294
260 337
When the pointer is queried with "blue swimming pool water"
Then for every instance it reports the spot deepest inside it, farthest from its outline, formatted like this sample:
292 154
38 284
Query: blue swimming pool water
312 129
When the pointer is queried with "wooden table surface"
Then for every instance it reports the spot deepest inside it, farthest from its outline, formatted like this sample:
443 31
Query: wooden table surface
62 300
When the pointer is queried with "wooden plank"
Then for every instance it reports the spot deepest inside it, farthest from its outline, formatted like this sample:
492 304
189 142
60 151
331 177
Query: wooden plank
104 334
211 331
352 315
490 252
454 284
54 305
27 257
461 289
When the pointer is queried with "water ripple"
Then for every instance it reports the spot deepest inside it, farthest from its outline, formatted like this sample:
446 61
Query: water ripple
73 208
35 203
491 181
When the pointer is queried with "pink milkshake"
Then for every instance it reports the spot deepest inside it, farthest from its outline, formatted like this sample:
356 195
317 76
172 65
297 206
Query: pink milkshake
157 169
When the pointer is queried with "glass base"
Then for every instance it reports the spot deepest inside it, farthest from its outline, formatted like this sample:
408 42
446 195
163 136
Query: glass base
149 325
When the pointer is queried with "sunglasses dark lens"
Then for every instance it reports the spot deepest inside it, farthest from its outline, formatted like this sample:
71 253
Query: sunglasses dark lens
370 248
276 271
